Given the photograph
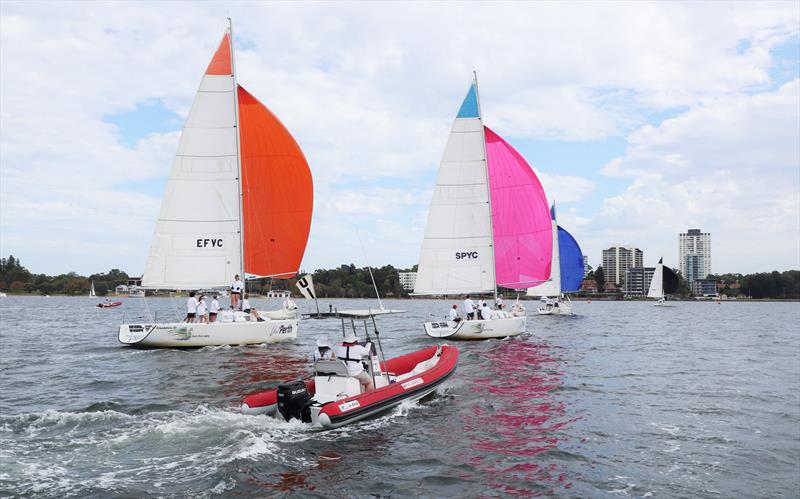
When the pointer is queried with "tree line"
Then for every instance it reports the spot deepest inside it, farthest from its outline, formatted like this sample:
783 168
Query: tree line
349 281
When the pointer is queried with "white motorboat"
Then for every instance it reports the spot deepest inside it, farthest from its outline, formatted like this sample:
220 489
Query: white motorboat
238 202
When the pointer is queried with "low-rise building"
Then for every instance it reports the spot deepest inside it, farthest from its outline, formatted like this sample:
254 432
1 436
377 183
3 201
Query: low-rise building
704 287
589 286
637 280
407 280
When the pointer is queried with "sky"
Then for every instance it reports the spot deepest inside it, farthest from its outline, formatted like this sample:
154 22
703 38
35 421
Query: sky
642 120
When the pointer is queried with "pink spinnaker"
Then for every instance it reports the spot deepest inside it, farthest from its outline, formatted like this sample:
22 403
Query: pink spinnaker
523 232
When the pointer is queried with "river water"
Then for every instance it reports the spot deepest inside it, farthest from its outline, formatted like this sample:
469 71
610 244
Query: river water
699 400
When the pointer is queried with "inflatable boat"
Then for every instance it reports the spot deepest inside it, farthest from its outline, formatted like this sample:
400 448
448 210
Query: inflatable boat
333 398
109 304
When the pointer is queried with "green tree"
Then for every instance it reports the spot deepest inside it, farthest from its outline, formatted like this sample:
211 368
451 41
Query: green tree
600 278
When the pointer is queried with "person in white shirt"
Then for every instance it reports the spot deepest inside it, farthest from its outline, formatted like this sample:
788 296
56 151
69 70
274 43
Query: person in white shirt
454 314
201 310
191 308
351 353
469 308
213 309
324 350
237 288
246 308
498 303
486 312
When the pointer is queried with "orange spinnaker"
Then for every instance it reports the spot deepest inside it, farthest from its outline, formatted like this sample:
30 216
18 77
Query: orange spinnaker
277 192
221 62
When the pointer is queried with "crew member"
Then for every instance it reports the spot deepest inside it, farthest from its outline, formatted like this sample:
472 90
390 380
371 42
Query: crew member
213 309
499 302
201 310
237 288
191 308
246 308
351 353
324 350
454 314
486 312
469 308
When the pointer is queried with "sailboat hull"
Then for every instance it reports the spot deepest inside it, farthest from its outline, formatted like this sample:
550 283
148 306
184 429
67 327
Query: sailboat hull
563 308
185 335
476 329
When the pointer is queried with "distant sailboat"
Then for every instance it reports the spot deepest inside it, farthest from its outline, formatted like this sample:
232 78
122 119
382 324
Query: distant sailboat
91 290
488 226
664 282
238 201
566 275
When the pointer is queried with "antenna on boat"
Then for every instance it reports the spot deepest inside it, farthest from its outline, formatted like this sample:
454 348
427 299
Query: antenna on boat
369 268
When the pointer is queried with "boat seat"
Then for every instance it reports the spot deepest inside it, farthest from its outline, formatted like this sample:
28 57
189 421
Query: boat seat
330 367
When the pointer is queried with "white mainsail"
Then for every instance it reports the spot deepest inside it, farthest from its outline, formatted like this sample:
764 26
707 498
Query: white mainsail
552 286
657 283
196 243
91 290
457 255
306 286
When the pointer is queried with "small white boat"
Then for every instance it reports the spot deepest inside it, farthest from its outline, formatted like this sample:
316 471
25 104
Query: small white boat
560 305
664 281
566 274
238 202
488 225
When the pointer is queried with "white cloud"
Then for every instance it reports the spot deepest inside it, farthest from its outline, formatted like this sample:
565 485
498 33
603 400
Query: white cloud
368 91
731 167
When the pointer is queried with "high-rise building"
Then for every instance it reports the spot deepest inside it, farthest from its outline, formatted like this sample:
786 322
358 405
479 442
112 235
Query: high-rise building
618 259
637 280
586 267
694 254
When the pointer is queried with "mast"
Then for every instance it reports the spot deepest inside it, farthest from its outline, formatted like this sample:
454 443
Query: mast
238 156
486 169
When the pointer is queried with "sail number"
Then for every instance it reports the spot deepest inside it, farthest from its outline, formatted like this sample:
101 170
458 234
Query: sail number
466 255
212 243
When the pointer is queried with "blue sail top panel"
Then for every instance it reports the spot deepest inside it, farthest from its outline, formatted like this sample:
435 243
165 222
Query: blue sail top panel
469 108
571 262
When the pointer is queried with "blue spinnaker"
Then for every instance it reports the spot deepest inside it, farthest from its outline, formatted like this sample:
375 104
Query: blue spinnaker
571 262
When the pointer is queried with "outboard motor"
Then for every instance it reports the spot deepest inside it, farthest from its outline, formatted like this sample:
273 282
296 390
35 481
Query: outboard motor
292 398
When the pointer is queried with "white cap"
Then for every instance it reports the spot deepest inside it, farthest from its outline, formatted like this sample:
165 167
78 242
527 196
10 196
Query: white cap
350 337
323 342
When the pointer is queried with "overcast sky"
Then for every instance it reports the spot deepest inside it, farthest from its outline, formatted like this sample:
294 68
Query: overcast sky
641 119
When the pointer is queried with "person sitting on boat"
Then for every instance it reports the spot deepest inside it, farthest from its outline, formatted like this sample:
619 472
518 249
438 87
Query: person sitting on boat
213 309
498 303
324 350
246 308
236 293
469 308
201 310
352 353
486 312
191 308
454 314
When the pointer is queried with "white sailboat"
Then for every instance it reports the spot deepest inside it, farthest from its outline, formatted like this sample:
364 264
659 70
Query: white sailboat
488 226
238 202
91 290
566 273
664 282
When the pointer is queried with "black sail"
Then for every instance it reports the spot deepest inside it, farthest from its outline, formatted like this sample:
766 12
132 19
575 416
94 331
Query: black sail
670 281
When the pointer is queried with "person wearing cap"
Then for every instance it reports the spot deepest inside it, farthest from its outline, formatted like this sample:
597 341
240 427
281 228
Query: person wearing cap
324 350
454 314
498 303
352 353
